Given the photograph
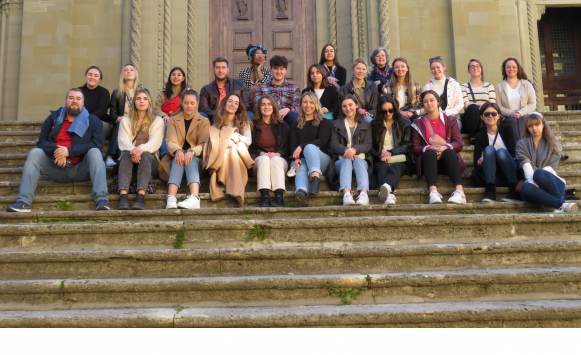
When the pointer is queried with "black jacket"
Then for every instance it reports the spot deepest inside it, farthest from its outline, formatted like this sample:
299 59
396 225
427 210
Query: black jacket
210 96
340 75
362 141
117 105
505 131
402 141
371 95
329 99
375 76
281 133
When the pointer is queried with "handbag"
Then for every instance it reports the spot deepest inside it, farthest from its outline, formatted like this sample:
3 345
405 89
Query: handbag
434 139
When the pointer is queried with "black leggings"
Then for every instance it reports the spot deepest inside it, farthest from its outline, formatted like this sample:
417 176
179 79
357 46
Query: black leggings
471 120
448 164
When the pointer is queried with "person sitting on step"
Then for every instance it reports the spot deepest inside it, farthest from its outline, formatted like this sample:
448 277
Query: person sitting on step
68 150
215 92
167 103
270 151
538 155
317 82
225 154
381 72
256 73
351 142
140 136
404 89
187 132
494 149
436 144
308 140
285 93
97 98
362 89
391 147
448 89
336 74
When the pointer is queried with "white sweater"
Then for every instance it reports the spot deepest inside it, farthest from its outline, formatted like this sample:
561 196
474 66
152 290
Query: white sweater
156 131
455 101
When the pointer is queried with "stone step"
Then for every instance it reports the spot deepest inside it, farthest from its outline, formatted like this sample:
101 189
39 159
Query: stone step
499 314
285 260
519 284
248 232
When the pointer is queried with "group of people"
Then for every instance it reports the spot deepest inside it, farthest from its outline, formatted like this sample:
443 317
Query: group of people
377 128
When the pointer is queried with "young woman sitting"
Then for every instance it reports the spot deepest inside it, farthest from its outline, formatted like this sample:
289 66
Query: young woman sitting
475 93
140 136
270 151
167 103
318 83
186 134
538 155
447 89
308 140
494 150
391 148
404 89
336 74
363 90
436 144
350 144
225 153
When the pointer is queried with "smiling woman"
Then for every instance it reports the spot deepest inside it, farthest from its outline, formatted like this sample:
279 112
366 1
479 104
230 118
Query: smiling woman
97 97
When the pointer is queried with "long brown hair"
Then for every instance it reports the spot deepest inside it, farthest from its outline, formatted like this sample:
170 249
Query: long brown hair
258 118
335 59
520 74
379 118
319 115
241 120
321 69
547 133
409 83
134 118
168 90
358 116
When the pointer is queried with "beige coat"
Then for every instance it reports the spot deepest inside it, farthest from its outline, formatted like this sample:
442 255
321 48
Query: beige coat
528 98
155 137
227 165
160 100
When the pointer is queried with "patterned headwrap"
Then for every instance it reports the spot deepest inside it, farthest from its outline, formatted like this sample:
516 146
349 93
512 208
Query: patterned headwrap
251 50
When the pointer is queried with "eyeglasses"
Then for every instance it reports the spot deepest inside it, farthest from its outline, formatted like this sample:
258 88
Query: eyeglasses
385 112
490 114
260 56
432 59
475 67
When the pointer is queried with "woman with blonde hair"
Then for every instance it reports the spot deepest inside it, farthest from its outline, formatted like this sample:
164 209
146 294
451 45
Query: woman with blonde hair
269 150
538 155
362 89
119 107
404 89
225 153
140 137
448 89
308 140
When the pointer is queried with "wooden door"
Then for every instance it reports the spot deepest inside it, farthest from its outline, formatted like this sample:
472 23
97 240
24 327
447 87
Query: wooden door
284 27
560 47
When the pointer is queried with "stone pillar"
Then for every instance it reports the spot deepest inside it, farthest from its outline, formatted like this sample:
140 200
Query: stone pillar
534 13
10 41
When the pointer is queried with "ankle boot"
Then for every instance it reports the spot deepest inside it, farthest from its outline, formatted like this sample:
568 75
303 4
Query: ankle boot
139 203
123 202
315 180
490 193
264 201
278 199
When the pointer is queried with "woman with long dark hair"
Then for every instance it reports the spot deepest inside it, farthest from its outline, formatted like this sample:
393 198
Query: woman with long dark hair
336 74
404 89
318 83
167 103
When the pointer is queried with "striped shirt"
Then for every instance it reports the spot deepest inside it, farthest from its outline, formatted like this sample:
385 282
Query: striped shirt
481 94
286 95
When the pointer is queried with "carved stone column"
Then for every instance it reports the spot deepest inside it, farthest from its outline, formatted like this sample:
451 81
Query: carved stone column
533 15
354 30
160 21
361 28
136 33
333 22
191 69
384 24
166 38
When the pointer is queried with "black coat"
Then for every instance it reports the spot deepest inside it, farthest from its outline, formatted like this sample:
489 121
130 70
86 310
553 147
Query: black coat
371 95
375 76
362 142
340 75
329 99
117 105
505 131
402 141
281 133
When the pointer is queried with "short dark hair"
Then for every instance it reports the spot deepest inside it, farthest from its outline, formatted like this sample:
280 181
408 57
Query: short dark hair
279 61
219 60
488 105
94 67
76 90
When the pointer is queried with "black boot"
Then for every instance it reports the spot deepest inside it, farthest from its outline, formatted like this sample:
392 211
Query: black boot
301 198
265 198
315 185
512 196
490 193
278 199
123 202
139 203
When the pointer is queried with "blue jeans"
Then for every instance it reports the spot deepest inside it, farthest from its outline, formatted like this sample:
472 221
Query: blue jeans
250 115
345 169
91 167
368 119
314 160
550 192
192 171
163 150
291 118
502 159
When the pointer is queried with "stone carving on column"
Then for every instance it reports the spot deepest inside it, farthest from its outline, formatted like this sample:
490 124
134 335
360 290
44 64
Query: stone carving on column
160 16
541 11
242 9
354 30
333 22
534 43
6 4
136 33
191 72
282 7
166 38
384 24
362 30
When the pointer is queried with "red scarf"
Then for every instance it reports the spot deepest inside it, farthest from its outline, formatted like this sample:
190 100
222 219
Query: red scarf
171 106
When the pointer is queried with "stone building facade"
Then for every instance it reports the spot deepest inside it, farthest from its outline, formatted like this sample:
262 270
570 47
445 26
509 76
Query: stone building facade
46 45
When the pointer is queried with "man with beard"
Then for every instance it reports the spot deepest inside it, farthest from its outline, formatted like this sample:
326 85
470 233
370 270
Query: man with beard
69 150
222 86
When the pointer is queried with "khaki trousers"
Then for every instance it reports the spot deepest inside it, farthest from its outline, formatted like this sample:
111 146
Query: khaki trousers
270 173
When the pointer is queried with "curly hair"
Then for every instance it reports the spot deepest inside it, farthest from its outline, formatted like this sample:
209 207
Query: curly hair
241 120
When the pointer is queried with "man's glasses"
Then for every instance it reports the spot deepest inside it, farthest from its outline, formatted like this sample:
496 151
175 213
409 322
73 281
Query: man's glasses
385 112
490 114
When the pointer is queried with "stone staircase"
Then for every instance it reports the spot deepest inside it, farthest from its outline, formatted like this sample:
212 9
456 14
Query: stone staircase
409 265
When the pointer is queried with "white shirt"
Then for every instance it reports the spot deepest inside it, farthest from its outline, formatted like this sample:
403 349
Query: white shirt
499 142
514 103
319 93
401 96
439 86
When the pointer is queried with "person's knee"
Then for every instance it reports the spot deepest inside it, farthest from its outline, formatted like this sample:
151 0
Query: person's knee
36 154
540 174
262 160
310 149
94 153
472 109
448 152
360 164
503 154
203 114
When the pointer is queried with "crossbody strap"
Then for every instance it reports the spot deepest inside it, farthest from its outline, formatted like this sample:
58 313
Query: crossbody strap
357 96
471 92
138 131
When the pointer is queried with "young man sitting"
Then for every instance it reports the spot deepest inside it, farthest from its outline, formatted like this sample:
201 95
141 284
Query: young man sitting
69 150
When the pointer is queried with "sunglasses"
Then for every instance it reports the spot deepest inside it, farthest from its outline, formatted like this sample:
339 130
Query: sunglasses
385 112
432 59
490 114
260 56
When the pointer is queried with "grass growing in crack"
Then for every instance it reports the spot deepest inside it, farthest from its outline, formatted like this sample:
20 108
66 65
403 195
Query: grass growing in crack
65 205
179 309
179 241
258 232
346 293
135 272
468 212
334 203
247 218
133 258
62 287
63 220
290 205
182 198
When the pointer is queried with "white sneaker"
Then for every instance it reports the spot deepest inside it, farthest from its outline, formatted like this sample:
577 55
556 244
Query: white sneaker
172 202
384 191
348 199
362 199
567 207
457 197
435 197
110 163
190 203
390 200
